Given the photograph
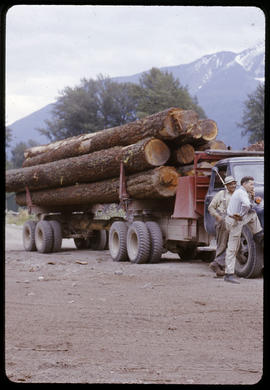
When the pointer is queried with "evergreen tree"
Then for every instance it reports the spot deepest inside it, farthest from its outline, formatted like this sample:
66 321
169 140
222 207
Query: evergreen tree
92 106
17 153
8 136
253 116
95 105
160 90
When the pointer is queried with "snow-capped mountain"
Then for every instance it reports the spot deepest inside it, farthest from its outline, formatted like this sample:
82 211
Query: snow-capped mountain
253 60
221 82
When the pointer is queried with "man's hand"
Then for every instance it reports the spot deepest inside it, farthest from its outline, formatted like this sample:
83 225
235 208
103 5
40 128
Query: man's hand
237 217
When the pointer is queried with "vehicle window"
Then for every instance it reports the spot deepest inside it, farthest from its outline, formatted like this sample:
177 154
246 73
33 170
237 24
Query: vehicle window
222 170
255 170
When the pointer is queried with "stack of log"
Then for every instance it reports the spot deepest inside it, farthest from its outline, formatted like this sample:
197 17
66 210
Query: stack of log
258 147
85 169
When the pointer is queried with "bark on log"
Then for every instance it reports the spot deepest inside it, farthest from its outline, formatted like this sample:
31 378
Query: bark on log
183 155
167 124
100 165
157 183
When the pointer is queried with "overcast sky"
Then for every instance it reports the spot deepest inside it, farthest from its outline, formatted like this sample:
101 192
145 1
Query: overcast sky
51 47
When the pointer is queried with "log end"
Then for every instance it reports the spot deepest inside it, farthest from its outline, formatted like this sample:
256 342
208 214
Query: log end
156 152
209 129
186 119
167 180
185 154
171 125
195 131
218 144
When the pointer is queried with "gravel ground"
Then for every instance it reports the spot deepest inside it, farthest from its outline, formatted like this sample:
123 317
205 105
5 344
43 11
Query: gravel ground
78 317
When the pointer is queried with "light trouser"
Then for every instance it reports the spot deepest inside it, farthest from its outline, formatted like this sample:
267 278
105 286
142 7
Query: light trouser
222 235
235 229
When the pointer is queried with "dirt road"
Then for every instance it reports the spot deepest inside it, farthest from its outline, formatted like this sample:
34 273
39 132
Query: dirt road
78 317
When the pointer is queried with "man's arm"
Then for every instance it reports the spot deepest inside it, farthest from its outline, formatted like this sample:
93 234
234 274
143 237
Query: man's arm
213 206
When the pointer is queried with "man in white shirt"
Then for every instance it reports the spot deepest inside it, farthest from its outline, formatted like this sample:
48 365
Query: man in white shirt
240 213
218 208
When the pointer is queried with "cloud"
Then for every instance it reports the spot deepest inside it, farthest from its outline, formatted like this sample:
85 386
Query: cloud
50 47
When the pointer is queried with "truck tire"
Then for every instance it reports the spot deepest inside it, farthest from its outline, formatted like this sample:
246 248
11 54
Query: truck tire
82 243
138 243
249 259
118 241
29 236
156 241
44 237
57 235
99 240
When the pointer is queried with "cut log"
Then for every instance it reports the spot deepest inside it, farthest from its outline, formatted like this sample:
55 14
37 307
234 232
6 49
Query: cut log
188 170
157 183
145 154
200 132
209 129
258 146
183 155
200 135
193 137
213 145
167 124
185 120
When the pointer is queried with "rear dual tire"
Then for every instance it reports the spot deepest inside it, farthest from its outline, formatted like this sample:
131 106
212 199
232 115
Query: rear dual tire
29 236
118 241
43 236
140 243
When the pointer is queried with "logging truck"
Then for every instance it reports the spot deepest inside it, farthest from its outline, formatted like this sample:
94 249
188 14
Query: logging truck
141 230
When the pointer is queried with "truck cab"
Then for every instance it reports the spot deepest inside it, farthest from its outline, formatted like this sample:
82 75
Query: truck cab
250 255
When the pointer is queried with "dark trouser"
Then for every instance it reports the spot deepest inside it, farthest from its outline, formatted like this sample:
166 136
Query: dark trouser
222 236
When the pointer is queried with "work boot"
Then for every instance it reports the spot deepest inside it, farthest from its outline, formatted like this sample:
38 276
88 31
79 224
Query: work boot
230 278
214 266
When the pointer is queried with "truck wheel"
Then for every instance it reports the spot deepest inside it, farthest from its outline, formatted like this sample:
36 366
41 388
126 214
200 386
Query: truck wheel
57 235
29 236
118 241
44 237
249 259
99 240
156 241
82 243
138 242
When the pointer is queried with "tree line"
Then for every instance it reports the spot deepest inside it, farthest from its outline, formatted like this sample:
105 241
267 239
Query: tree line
101 103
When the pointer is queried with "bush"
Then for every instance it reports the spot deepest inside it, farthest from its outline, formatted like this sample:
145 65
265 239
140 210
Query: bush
18 218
